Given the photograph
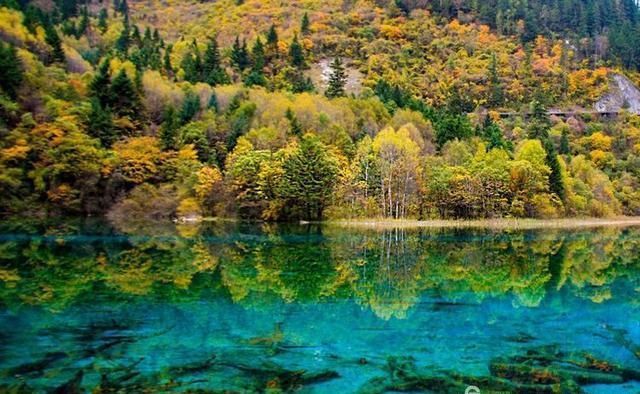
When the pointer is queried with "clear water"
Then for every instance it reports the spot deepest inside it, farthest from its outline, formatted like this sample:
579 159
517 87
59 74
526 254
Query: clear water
260 308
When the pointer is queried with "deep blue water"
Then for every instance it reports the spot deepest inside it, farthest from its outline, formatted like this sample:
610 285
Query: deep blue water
257 308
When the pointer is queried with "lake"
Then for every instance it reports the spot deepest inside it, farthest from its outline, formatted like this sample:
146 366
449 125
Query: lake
235 307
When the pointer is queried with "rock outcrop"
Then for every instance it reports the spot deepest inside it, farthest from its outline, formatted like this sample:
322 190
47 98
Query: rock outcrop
623 94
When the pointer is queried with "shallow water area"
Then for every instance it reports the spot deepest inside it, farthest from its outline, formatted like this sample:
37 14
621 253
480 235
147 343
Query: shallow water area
215 307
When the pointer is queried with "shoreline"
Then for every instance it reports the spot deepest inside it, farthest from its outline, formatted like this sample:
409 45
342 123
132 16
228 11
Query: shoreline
500 224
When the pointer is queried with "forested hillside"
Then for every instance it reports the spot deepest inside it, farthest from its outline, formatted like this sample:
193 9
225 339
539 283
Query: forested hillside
307 109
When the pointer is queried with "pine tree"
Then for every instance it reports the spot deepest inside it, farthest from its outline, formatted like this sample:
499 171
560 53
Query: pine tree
126 101
239 55
213 102
11 74
564 143
169 129
190 107
304 25
53 39
556 185
296 53
102 20
310 175
84 23
192 65
124 40
496 93
337 79
100 124
213 72
294 123
100 86
272 39
168 68
256 76
539 122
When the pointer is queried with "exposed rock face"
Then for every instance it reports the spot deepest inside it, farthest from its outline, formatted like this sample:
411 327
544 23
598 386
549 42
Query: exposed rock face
623 94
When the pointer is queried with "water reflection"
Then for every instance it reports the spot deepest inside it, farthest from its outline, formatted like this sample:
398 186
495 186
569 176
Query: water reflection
317 307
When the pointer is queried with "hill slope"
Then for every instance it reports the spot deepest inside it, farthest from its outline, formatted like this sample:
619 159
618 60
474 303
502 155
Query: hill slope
146 110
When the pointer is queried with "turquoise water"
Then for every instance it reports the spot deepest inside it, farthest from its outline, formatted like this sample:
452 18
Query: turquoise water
259 308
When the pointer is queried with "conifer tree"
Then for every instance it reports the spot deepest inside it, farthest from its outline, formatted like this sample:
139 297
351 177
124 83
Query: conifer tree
190 107
294 123
272 39
496 93
296 53
556 184
124 40
192 64
239 54
304 25
102 20
337 79
213 72
100 124
256 76
53 39
125 99
168 68
100 85
564 142
11 74
169 129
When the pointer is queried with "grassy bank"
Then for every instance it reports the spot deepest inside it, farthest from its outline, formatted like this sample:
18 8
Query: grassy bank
505 223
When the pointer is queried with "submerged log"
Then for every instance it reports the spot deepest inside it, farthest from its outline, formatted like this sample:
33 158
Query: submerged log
73 386
38 366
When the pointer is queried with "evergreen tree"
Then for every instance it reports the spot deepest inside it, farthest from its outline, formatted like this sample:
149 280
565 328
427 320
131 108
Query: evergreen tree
125 98
168 68
539 123
68 8
239 55
190 107
496 93
213 102
100 86
102 20
100 124
304 25
337 79
124 40
564 142
272 39
310 175
169 129
192 64
11 74
556 185
213 72
53 39
492 134
256 76
296 53
84 23
294 123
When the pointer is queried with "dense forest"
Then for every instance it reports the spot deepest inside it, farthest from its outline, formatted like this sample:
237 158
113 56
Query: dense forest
310 110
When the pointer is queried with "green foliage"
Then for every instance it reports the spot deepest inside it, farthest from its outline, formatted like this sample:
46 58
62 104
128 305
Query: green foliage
337 79
100 124
169 129
309 178
296 54
53 39
11 74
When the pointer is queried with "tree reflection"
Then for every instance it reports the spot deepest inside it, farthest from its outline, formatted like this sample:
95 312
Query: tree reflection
386 271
